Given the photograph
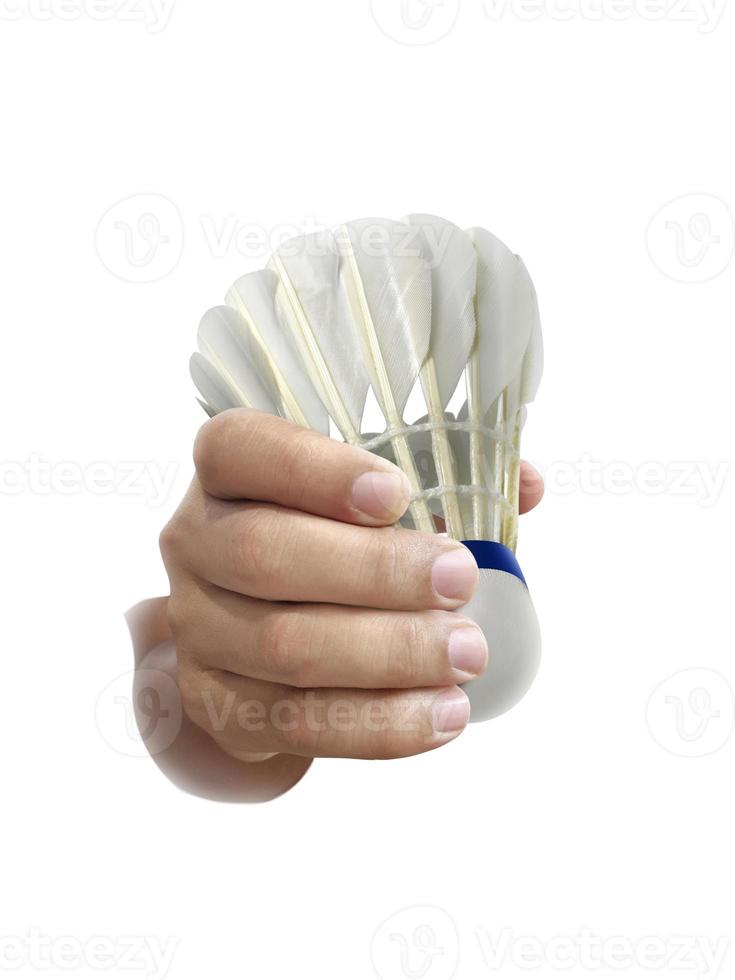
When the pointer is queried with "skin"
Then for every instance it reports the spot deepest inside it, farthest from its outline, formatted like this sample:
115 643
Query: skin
304 623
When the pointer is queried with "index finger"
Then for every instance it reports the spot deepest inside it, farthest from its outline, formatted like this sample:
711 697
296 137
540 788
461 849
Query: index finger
242 454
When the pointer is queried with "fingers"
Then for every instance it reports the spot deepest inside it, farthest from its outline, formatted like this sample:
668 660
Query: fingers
246 455
269 552
242 454
250 718
531 487
311 645
358 648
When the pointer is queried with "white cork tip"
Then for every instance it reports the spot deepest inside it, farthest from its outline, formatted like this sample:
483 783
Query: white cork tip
503 610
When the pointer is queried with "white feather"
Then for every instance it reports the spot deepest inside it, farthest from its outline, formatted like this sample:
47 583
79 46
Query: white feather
311 298
453 264
533 360
221 340
211 386
389 285
506 312
270 346
379 305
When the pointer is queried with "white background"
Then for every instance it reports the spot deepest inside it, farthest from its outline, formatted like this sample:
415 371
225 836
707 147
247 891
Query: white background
603 802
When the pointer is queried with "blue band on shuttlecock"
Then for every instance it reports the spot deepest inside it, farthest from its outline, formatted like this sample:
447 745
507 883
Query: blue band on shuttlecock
492 554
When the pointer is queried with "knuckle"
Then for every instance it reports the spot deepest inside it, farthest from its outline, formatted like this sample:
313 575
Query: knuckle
282 646
297 460
253 546
213 442
383 744
179 535
208 442
261 547
170 540
384 562
408 651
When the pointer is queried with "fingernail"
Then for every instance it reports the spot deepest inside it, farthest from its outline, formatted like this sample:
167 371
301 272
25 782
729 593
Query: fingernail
468 650
450 712
454 575
381 494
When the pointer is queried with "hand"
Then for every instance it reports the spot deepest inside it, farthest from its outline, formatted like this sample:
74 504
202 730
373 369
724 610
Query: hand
304 622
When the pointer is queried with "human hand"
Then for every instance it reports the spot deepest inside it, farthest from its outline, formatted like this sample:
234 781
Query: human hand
305 623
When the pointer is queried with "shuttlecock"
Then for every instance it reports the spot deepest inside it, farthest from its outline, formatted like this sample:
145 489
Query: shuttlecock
421 343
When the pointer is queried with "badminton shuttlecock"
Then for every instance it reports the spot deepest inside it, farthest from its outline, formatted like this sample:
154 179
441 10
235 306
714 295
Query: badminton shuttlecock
421 343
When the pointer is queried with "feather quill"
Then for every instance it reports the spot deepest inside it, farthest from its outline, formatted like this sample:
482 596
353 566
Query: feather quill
269 344
224 362
389 287
506 310
313 301
453 264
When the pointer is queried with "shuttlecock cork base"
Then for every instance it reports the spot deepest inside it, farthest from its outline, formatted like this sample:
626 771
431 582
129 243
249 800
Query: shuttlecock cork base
502 608
421 343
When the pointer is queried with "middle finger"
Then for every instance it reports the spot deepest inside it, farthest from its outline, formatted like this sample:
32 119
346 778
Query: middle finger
271 552
320 645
